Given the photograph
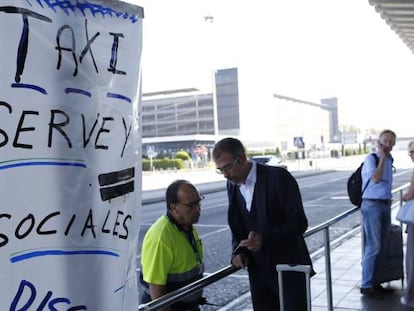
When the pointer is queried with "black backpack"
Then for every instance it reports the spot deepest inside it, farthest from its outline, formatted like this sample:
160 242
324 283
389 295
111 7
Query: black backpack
354 185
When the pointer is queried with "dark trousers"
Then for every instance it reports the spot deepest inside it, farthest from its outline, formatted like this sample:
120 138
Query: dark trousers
265 290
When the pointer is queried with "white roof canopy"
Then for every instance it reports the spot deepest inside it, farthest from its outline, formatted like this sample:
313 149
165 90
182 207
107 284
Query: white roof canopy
399 15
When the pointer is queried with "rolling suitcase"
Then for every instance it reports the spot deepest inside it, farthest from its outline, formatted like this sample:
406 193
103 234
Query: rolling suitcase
294 268
390 261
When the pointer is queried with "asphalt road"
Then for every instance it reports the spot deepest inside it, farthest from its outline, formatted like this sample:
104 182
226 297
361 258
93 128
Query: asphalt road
324 196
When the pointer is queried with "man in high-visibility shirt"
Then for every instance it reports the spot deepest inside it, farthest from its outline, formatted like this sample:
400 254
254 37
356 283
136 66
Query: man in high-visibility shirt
172 253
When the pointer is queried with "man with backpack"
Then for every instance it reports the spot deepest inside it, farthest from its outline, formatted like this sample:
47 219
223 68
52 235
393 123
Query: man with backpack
376 210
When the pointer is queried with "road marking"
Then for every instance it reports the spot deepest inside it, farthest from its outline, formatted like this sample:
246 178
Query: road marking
212 226
214 232
235 302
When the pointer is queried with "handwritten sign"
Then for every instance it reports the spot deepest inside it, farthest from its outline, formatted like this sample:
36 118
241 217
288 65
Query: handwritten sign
69 154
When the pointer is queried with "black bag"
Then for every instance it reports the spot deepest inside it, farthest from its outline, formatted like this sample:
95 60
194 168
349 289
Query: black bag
354 185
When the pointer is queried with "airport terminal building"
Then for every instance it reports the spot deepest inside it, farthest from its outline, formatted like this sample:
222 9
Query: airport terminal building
191 120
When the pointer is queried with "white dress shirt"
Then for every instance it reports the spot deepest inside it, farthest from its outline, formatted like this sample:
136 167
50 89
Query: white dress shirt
247 187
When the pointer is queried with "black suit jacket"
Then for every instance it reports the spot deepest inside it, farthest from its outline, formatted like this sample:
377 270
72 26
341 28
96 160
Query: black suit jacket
280 216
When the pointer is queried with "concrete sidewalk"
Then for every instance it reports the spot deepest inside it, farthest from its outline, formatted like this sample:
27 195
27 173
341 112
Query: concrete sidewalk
346 276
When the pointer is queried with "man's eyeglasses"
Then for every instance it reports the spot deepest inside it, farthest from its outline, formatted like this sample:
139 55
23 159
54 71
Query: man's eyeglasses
227 167
192 205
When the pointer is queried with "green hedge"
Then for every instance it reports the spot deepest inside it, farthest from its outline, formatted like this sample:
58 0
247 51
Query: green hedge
183 155
275 152
163 164
353 151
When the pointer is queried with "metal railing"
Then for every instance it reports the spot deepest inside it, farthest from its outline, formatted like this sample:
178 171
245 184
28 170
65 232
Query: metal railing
180 293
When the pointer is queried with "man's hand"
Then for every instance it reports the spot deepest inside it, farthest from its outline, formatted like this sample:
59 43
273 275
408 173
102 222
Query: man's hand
253 242
240 260
383 149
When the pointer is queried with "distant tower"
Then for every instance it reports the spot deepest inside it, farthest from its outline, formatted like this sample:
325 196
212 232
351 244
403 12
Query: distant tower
331 104
226 97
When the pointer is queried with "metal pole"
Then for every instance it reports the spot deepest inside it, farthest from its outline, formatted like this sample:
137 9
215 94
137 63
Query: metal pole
328 269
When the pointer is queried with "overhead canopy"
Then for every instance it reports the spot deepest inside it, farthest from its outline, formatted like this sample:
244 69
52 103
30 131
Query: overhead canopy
399 14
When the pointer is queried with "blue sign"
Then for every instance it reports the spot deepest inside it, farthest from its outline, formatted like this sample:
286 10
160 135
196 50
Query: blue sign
298 142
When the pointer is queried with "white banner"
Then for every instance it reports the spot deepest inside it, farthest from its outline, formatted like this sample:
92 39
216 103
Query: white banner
70 154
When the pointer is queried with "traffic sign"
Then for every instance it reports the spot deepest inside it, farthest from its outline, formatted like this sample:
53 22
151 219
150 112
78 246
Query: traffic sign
151 153
298 142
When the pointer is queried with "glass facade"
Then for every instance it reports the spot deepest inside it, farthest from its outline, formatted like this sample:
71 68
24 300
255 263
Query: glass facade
178 115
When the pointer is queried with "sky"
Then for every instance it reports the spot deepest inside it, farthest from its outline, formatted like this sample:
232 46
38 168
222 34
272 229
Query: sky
303 49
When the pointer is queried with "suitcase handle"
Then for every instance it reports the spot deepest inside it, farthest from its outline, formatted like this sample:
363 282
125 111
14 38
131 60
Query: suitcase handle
295 268
307 269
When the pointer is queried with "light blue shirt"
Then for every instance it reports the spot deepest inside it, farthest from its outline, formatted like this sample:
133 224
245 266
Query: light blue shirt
382 189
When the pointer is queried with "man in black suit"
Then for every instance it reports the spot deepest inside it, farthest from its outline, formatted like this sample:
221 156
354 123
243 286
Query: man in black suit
267 222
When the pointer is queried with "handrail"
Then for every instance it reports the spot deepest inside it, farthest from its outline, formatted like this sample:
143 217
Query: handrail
330 222
180 293
402 187
189 289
